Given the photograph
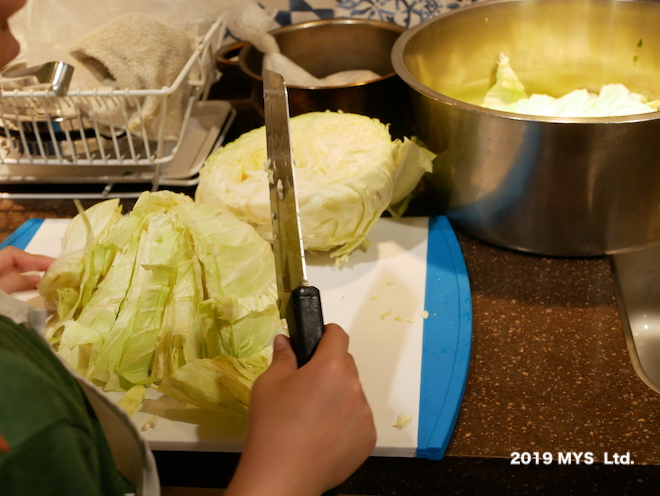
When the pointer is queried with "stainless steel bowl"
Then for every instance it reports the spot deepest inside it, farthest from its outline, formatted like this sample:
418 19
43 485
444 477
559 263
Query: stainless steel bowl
552 186
328 46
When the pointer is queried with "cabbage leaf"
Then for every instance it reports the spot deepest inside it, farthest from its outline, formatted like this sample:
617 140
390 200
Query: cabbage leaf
221 384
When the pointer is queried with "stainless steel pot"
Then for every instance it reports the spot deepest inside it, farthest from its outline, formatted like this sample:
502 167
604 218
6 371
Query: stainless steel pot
551 186
328 46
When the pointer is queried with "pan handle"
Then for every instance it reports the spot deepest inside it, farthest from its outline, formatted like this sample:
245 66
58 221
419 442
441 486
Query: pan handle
56 74
225 58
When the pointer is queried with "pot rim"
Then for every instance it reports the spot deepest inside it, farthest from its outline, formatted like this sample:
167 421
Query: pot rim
313 24
402 71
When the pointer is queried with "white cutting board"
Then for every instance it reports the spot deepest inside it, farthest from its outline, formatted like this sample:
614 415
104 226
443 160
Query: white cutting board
378 297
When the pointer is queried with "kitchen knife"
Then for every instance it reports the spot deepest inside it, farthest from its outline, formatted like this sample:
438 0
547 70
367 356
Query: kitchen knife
299 303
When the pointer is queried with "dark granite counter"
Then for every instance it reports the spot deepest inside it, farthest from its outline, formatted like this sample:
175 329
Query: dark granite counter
549 373
550 369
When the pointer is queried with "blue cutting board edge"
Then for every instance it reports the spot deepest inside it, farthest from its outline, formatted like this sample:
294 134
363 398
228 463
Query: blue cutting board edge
447 333
21 237
447 340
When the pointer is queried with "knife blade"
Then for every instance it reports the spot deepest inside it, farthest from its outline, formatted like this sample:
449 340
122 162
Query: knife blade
299 302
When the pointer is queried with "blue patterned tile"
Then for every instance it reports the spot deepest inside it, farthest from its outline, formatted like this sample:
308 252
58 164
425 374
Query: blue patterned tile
304 10
407 13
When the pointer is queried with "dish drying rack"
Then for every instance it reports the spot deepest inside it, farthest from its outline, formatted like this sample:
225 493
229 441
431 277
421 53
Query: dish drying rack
51 139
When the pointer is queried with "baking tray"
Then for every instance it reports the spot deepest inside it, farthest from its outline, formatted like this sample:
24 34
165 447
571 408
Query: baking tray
205 132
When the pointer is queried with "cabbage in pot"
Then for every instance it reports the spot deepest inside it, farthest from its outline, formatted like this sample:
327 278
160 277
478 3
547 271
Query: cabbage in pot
348 172
508 94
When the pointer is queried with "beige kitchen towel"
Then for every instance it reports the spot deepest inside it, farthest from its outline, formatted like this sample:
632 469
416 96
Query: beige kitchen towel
252 22
137 52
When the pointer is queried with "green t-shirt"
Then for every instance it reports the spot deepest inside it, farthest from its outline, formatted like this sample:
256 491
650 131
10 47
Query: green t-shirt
51 442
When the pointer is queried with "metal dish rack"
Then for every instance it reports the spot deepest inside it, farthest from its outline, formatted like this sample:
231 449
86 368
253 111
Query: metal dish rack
47 139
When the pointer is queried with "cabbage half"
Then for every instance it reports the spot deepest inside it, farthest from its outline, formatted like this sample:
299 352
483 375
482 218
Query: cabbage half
348 172
155 296
508 94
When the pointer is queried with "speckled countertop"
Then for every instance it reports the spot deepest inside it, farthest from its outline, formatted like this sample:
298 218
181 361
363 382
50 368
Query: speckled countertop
549 372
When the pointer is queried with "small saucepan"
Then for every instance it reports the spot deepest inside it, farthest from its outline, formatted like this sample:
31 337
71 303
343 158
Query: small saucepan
325 47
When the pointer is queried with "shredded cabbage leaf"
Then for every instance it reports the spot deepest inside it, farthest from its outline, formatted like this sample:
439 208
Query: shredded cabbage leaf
132 399
221 384
508 94
171 289
402 421
348 172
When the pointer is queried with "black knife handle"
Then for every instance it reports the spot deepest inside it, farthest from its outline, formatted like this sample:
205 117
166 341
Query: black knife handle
307 330
308 322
